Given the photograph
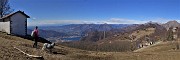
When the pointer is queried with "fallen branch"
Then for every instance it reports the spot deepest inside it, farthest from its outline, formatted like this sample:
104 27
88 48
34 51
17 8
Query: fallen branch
35 56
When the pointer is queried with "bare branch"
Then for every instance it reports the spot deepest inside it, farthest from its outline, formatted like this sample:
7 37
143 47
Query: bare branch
5 8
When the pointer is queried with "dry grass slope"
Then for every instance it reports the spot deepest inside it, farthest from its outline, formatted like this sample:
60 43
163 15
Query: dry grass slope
141 33
8 52
163 51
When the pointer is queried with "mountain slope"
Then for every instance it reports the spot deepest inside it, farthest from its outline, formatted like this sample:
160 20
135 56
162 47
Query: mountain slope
81 29
164 51
171 24
8 52
126 40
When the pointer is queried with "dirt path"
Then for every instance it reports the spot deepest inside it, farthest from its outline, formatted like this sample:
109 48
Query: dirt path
142 49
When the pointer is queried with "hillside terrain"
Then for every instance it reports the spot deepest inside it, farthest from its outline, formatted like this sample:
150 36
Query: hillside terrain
122 45
126 40
8 52
162 51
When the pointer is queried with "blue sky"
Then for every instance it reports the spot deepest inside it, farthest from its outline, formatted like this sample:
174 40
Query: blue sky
49 12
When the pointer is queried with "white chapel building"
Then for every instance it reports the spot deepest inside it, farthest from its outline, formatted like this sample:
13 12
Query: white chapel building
15 23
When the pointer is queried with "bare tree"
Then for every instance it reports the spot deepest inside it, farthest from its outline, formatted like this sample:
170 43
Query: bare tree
5 8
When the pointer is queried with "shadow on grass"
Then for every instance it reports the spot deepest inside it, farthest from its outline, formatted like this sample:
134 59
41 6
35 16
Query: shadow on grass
59 53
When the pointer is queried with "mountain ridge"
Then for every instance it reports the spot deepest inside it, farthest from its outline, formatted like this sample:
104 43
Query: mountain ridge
169 24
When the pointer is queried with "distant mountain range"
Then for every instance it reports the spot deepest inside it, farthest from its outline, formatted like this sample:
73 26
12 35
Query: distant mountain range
126 38
74 29
81 30
161 30
48 33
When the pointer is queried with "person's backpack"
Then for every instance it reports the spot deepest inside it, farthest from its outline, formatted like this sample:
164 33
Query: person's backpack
32 33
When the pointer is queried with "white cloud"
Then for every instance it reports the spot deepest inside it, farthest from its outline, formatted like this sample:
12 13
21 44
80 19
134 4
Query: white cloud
131 21
34 18
51 22
110 21
124 21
